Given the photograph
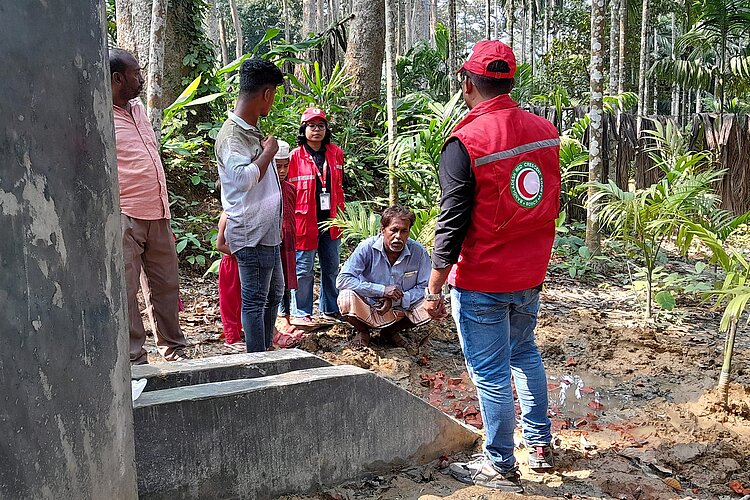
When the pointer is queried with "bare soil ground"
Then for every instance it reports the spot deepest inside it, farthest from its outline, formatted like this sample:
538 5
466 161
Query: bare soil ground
632 402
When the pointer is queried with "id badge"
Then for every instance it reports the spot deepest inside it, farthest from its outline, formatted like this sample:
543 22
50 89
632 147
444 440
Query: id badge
325 201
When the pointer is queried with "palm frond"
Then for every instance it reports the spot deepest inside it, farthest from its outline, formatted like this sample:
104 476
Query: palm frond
357 222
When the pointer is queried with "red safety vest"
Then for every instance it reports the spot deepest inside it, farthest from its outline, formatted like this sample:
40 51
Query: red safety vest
302 173
515 157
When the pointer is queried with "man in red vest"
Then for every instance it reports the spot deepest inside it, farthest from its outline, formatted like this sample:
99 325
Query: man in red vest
500 181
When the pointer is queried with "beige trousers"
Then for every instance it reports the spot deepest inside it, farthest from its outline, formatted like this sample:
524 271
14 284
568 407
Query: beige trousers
351 304
149 244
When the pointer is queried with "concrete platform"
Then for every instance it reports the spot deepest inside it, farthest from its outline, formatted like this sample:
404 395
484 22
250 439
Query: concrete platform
220 368
294 432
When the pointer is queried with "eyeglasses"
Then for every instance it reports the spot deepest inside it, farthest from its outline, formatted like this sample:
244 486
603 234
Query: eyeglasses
316 126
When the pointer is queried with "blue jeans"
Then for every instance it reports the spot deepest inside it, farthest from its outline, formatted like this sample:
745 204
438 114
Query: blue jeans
328 255
496 331
262 282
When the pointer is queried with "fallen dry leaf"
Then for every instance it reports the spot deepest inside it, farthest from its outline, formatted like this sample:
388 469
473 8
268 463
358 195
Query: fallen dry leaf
672 483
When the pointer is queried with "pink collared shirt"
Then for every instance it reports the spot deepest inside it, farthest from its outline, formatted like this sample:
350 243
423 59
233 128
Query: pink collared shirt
143 186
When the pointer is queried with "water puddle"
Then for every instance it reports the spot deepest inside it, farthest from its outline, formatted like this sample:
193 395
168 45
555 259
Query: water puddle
575 396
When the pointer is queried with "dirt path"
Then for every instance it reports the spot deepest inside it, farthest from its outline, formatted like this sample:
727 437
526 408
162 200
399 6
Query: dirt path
632 404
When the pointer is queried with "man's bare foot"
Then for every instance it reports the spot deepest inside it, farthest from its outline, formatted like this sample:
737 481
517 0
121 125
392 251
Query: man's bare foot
396 339
283 323
360 341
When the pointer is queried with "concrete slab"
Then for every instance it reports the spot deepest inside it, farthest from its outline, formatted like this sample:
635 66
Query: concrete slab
294 432
220 368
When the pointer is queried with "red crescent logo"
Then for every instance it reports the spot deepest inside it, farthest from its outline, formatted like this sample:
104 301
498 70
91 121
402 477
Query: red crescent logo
521 185
527 187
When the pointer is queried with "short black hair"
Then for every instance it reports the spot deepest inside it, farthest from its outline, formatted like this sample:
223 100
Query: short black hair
397 212
492 87
302 138
119 60
258 74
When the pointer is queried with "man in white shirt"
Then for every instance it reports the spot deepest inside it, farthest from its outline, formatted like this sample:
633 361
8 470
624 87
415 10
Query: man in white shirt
251 198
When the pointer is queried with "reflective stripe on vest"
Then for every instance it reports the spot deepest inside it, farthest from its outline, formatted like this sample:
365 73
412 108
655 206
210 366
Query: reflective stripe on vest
302 178
524 148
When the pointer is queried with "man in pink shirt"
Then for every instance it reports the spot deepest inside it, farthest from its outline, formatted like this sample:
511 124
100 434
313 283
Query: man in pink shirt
147 239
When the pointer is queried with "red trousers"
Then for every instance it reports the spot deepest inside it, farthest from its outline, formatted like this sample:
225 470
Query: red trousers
230 298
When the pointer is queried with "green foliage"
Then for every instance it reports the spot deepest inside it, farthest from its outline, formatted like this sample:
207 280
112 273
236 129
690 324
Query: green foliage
524 86
713 54
645 219
313 89
566 66
612 104
419 144
424 69
573 171
195 244
668 285
576 258
111 23
359 221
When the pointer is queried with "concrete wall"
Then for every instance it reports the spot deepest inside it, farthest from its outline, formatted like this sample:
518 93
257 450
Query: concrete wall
294 432
65 410
221 368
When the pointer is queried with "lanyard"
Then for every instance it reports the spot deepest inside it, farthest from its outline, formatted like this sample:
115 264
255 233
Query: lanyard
321 176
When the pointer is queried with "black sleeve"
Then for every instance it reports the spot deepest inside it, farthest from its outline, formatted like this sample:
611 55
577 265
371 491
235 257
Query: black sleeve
457 184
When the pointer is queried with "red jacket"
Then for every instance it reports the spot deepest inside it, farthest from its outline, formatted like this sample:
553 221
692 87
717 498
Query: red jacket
302 172
515 158
288 235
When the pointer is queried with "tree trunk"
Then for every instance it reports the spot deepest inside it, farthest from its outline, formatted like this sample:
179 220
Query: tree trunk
334 11
390 77
452 47
408 25
726 367
531 16
675 109
614 38
309 18
239 47
433 22
596 114
488 19
510 21
654 94
622 31
643 66
524 23
133 18
223 42
419 21
546 25
211 24
133 35
287 24
156 64
320 17
497 20
698 101
364 53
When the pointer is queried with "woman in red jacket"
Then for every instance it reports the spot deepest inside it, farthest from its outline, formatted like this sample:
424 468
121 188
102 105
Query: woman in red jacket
316 168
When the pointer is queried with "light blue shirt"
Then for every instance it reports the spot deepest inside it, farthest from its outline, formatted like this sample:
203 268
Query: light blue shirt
367 272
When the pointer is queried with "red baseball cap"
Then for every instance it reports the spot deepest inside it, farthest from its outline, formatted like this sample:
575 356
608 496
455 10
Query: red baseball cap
486 52
313 113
